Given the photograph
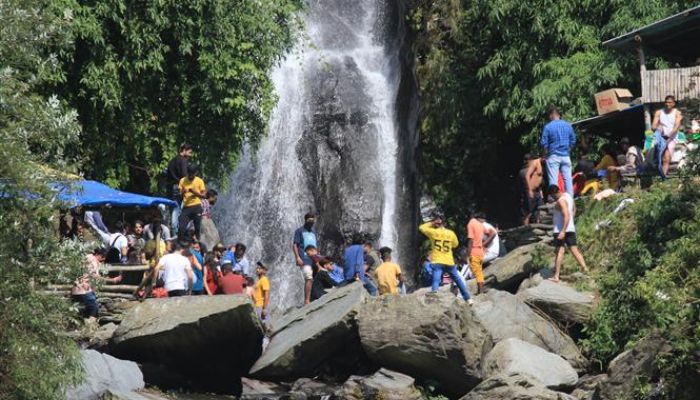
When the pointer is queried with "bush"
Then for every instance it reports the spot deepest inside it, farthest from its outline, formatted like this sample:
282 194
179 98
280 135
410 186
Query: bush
646 268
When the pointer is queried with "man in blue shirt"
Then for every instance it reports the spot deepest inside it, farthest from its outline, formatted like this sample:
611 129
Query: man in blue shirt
303 237
558 138
355 266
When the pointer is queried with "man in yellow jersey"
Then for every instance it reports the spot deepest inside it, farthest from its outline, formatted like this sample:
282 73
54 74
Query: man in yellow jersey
261 292
442 241
193 191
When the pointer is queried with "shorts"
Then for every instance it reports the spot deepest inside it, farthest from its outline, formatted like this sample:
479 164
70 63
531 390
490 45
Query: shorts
308 272
569 240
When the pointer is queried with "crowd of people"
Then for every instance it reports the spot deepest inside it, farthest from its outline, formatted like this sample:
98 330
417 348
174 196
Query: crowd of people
618 160
179 265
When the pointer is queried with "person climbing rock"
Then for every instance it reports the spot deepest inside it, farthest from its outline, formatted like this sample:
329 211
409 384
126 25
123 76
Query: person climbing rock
564 230
442 241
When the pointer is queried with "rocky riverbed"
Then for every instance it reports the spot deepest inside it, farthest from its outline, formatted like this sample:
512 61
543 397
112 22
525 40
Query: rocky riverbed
515 342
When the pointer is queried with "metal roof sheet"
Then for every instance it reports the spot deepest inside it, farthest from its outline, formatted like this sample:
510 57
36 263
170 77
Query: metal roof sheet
675 36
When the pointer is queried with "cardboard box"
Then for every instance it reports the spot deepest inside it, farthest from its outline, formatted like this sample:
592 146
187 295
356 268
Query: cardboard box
612 100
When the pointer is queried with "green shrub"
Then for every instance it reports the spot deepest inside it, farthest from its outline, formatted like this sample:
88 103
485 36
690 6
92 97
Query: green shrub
646 268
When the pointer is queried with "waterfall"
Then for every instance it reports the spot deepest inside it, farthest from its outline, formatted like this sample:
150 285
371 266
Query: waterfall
333 146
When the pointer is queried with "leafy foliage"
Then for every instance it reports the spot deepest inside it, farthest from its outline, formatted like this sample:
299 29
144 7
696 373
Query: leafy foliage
147 76
36 359
488 70
647 262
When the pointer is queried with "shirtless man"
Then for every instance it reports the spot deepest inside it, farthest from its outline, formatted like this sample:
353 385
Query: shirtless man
668 121
532 184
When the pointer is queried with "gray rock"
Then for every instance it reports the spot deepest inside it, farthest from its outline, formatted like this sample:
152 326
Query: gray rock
209 233
104 372
514 387
506 316
514 356
508 272
428 336
100 338
560 302
308 339
122 395
256 390
177 333
586 386
309 388
626 368
384 384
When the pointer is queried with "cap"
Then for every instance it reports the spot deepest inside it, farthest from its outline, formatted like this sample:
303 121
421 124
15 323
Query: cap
226 261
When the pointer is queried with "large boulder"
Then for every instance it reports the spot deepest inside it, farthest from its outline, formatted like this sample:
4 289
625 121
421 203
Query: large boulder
505 316
384 384
508 272
103 373
428 336
209 233
315 338
514 356
514 387
625 369
220 335
560 302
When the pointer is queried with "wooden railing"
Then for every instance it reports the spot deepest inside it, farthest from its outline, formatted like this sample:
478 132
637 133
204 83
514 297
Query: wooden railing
106 290
683 83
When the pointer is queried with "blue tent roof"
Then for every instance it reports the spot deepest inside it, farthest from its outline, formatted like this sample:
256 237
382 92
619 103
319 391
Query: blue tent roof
96 194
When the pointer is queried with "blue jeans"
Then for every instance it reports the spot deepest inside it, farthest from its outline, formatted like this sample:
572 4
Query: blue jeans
555 164
456 278
369 286
89 300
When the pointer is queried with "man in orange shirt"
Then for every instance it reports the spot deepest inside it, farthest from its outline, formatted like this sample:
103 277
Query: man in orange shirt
475 248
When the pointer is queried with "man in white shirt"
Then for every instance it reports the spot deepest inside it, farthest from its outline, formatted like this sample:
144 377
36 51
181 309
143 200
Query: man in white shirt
176 272
492 245
564 230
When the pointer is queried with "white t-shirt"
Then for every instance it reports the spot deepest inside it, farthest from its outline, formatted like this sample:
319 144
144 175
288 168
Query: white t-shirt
559 216
118 241
175 268
495 246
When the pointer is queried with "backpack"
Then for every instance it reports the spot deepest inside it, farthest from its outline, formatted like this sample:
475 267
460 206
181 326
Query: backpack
114 255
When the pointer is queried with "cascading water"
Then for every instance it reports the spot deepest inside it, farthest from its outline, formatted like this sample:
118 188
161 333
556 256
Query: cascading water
333 146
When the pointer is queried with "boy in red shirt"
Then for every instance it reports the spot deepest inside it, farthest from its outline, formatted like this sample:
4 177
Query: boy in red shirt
231 282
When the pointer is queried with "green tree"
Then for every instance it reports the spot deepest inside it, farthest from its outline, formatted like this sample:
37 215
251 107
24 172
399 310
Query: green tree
36 359
146 76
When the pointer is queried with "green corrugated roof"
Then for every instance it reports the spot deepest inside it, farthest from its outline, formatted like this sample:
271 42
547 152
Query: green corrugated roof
676 36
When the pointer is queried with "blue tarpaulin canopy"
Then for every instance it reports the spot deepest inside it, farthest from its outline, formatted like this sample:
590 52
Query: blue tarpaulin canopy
95 194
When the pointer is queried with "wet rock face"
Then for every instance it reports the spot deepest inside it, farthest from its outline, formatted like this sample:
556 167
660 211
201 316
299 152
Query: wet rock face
338 153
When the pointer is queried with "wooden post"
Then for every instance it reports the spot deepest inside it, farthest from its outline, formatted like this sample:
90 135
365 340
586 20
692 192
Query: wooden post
648 133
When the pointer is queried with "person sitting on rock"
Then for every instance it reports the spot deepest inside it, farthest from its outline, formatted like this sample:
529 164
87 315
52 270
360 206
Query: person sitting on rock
322 279
442 241
231 281
355 265
388 274
261 292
